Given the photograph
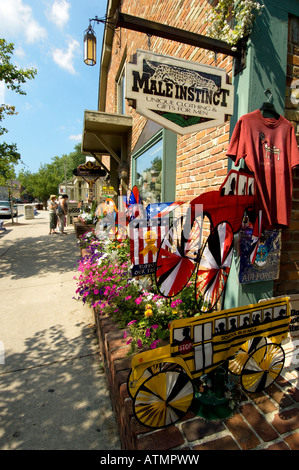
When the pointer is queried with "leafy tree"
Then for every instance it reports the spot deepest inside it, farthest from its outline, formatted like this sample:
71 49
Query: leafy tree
13 78
46 181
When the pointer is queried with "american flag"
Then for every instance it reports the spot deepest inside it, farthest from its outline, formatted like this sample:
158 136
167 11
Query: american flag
161 209
145 240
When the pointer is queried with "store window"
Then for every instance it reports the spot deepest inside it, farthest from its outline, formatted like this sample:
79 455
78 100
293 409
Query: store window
154 168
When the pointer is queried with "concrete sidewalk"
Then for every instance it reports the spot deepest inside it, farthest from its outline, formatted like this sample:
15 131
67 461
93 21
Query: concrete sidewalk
53 391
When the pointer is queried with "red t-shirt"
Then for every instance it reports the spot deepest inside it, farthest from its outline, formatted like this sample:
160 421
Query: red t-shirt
270 150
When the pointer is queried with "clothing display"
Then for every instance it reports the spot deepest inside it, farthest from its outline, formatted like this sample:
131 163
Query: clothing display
270 150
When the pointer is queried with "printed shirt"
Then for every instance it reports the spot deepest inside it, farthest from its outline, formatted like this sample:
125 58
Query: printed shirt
270 150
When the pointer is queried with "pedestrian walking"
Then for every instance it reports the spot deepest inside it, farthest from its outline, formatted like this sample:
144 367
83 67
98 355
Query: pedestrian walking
62 212
52 207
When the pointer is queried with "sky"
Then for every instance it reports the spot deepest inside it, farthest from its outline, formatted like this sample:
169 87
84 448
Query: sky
48 36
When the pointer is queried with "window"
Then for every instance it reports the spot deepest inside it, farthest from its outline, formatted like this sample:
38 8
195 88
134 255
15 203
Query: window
203 356
149 173
152 164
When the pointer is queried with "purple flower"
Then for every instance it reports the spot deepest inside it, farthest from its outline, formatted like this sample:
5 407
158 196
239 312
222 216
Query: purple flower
147 332
139 343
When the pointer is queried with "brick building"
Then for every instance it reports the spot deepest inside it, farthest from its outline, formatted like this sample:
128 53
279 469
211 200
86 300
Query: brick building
191 164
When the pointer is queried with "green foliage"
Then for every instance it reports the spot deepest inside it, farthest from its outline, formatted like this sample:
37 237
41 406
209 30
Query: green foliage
13 79
8 158
45 182
9 73
230 20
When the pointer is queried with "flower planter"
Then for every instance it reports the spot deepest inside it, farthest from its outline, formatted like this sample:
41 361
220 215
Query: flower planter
80 228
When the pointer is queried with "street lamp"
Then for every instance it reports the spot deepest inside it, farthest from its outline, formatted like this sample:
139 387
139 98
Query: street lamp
90 46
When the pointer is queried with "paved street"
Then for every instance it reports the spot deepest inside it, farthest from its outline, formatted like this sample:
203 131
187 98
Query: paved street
53 392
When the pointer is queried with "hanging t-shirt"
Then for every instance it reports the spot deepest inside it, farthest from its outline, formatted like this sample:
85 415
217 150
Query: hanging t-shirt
269 148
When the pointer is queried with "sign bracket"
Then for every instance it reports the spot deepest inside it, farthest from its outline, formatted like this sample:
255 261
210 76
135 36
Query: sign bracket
123 20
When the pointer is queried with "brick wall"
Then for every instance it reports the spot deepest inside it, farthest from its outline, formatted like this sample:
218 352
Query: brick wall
201 157
288 282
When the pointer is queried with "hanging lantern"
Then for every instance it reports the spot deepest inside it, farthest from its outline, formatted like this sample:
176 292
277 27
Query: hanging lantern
90 46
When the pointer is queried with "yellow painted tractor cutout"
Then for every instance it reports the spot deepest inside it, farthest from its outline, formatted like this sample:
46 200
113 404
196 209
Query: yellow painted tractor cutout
162 382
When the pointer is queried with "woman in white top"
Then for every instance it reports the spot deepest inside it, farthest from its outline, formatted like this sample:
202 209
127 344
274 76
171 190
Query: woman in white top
52 213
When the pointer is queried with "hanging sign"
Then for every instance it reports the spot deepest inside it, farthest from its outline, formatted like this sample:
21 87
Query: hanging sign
89 171
180 95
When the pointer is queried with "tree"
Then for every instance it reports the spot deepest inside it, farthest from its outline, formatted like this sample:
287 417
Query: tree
13 78
46 181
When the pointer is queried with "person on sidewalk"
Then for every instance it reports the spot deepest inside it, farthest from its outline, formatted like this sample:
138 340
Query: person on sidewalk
52 213
62 211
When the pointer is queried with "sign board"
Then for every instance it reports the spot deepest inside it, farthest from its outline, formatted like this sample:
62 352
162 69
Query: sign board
267 263
89 171
180 95
145 240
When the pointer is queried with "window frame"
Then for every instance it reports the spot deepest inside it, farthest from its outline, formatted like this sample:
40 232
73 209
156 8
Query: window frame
169 150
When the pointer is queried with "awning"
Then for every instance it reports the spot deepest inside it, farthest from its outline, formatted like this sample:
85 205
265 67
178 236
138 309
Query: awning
106 133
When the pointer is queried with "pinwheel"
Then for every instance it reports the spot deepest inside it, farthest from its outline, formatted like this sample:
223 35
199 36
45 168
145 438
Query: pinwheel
214 266
163 399
262 367
177 258
181 250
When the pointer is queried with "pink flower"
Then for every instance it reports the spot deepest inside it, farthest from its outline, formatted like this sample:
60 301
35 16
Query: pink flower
154 343
155 327
128 297
175 303
138 300
125 335
156 297
128 342
131 322
96 291
139 343
147 332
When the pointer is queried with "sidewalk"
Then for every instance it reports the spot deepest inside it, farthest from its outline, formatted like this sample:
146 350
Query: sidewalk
53 391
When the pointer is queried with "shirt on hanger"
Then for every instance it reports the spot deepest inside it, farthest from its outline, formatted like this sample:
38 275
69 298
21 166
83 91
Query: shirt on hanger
270 150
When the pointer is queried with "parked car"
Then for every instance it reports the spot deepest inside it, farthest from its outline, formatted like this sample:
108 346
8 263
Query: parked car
6 210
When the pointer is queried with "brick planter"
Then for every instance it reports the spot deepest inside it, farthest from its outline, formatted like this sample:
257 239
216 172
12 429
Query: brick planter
268 420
